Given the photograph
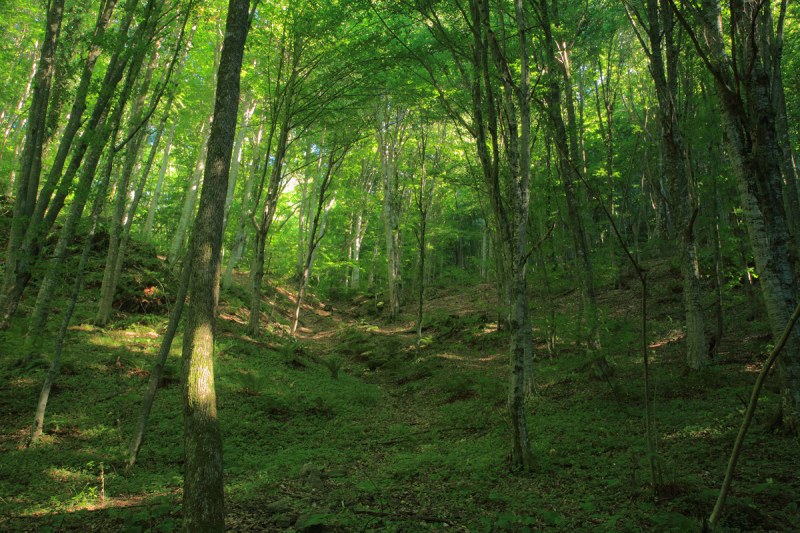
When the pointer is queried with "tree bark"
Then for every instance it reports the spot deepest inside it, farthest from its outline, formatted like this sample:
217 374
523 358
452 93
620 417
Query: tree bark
751 133
55 364
203 494
190 199
27 181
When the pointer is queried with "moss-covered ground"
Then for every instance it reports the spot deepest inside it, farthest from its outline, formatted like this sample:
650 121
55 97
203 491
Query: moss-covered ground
353 427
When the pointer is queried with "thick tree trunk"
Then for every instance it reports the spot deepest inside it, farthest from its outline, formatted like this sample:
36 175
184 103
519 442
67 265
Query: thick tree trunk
511 214
752 137
203 494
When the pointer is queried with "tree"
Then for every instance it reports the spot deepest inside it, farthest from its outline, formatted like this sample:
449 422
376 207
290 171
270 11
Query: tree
203 494
751 134
659 42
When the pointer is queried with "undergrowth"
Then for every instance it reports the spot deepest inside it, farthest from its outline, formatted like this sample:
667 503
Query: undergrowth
361 429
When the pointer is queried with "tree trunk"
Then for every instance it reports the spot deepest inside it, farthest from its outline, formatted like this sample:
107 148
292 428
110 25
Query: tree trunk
203 494
250 107
114 254
391 137
55 364
162 172
682 193
752 139
108 131
27 181
334 160
158 369
45 211
569 172
190 200
240 238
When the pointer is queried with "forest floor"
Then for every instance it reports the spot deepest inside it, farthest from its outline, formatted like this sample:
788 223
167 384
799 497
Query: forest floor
353 427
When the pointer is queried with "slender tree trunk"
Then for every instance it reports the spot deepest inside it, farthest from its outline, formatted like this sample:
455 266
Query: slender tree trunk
334 160
55 364
45 211
569 173
240 238
203 493
391 137
158 369
682 193
27 181
263 226
190 200
107 132
250 107
162 173
114 254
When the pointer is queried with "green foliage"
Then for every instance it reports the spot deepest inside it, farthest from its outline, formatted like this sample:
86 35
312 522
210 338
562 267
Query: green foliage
333 364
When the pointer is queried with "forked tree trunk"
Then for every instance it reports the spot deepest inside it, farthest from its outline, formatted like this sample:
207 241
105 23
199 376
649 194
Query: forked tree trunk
315 230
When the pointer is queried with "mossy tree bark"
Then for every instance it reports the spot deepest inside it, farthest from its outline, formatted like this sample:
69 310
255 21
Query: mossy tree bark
203 494
751 132
27 181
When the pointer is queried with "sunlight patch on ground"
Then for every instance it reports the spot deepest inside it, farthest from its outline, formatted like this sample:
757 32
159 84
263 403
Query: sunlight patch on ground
754 368
232 318
454 357
694 432
673 336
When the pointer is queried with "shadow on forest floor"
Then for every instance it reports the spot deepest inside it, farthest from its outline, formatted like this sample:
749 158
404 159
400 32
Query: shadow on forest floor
352 426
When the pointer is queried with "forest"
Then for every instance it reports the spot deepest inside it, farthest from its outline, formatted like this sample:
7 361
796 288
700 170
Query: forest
399 265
